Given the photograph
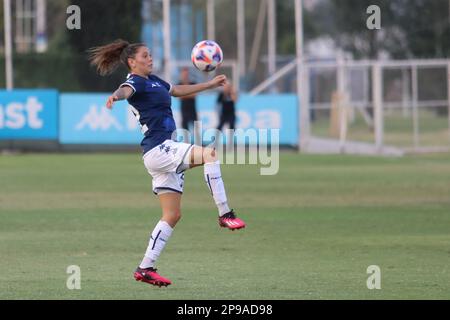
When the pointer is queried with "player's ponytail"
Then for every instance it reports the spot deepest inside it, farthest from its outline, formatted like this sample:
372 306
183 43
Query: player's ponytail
108 57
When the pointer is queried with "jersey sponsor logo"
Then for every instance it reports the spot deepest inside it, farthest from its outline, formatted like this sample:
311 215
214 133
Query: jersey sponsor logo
96 119
156 84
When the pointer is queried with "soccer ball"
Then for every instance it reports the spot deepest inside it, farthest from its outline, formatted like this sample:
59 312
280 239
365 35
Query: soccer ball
206 55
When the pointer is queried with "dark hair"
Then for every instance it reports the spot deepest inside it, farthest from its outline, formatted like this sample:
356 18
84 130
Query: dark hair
108 57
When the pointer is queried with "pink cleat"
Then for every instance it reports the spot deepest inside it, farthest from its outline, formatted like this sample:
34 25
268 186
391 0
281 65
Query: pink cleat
230 221
150 276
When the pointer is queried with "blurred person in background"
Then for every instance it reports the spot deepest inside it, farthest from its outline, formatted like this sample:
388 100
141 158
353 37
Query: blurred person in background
227 111
188 108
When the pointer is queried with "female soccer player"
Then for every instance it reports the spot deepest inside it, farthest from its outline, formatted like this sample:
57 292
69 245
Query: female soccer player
164 158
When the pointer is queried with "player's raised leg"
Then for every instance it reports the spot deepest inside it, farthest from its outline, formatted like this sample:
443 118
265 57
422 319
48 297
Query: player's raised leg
171 214
213 177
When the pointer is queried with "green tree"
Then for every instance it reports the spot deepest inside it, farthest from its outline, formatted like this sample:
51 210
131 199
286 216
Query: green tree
409 28
345 21
103 22
286 26
426 27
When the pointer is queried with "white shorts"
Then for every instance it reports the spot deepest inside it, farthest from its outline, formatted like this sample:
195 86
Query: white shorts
166 164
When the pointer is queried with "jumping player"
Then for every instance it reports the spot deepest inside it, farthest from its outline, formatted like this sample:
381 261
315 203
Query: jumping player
164 158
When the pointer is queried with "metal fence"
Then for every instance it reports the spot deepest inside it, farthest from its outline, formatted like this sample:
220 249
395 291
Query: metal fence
372 106
400 104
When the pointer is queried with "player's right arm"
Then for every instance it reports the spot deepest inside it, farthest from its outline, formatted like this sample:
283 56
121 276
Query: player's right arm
124 92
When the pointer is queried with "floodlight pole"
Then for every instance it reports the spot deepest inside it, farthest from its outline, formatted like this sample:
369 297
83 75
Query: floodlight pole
211 21
258 35
8 45
302 80
167 40
448 95
41 26
272 42
377 97
415 111
241 36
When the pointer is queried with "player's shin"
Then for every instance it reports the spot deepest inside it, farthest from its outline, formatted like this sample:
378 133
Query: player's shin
158 240
213 178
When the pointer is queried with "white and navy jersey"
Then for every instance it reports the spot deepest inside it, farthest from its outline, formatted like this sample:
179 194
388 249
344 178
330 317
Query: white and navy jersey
151 105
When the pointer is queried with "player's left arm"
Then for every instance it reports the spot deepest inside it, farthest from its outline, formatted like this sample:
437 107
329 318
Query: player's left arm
124 92
181 90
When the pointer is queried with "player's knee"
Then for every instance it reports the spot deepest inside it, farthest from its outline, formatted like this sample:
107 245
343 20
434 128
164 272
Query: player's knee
177 218
172 217
176 215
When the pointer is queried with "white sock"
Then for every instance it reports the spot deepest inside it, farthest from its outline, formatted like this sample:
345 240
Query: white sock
213 178
158 239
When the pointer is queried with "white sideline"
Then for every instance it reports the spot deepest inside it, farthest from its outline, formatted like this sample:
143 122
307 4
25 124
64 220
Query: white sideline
333 146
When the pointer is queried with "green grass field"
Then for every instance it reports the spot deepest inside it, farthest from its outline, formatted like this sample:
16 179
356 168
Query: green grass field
313 229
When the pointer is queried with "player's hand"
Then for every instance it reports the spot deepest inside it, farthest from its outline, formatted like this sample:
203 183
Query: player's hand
111 100
218 81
